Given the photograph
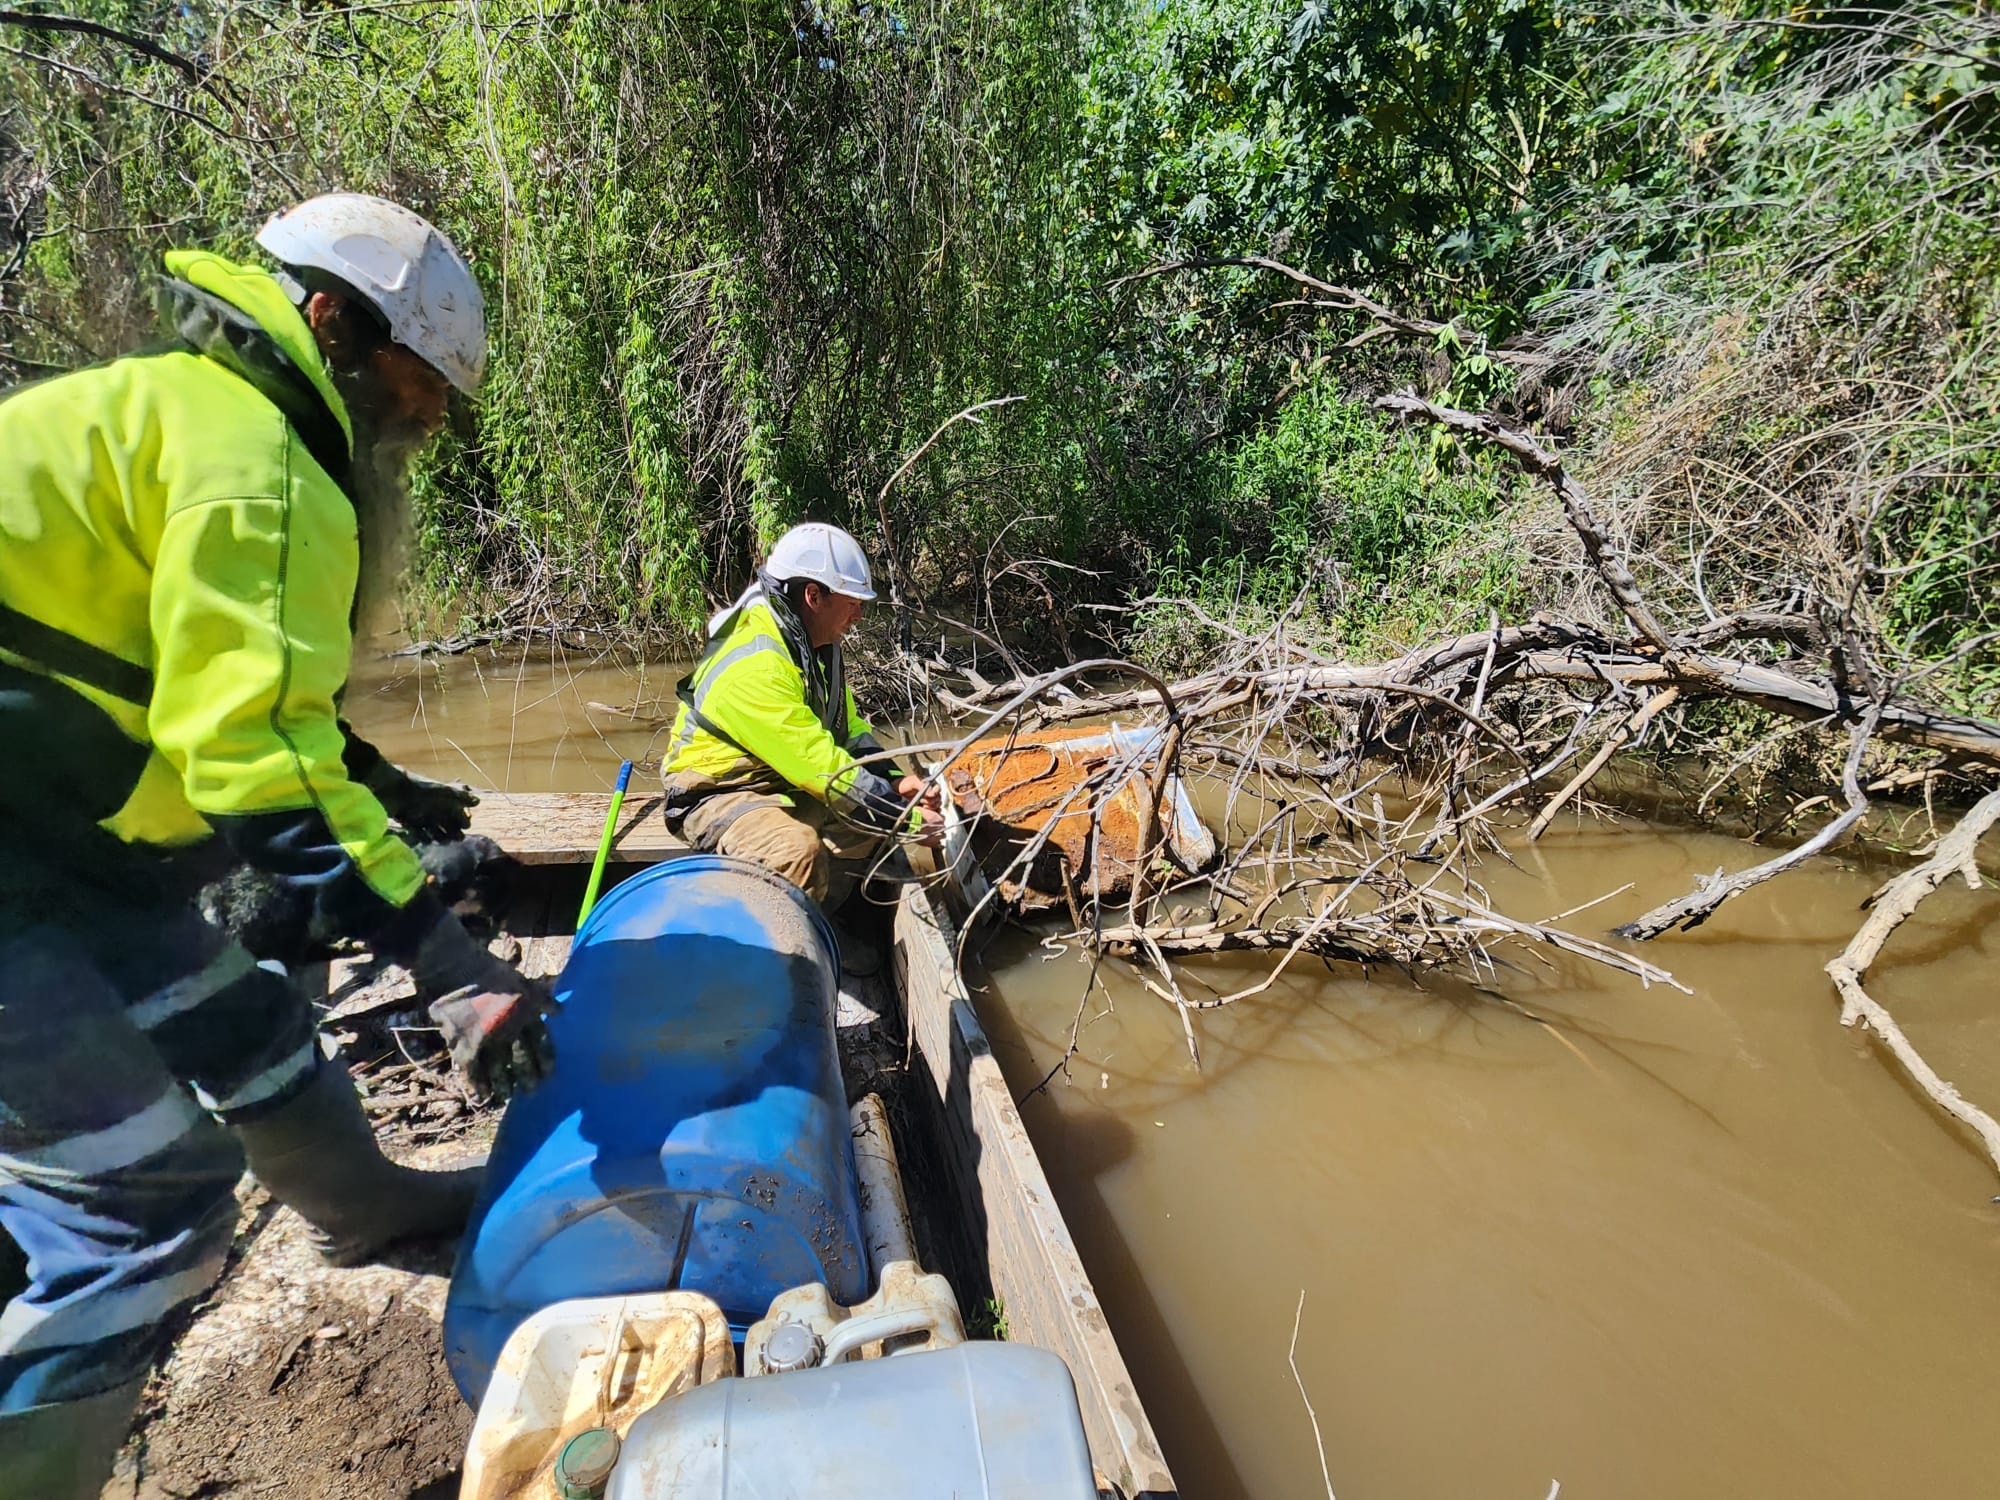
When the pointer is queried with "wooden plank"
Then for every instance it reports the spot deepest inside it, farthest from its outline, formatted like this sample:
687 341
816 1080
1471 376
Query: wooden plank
563 828
1037 1274
543 957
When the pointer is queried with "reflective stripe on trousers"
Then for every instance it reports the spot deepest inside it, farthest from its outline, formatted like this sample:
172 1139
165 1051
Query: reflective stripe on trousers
116 1037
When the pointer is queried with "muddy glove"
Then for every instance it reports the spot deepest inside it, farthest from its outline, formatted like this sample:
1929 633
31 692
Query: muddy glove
498 1040
434 811
491 1015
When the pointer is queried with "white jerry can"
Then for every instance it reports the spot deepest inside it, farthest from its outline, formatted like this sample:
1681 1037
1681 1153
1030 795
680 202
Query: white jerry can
806 1327
994 1420
577 1368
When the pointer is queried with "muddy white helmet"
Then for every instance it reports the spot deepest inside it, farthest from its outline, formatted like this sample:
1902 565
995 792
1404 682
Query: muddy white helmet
410 274
824 554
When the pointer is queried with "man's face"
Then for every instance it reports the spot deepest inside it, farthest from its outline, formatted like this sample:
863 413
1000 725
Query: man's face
828 616
413 394
393 393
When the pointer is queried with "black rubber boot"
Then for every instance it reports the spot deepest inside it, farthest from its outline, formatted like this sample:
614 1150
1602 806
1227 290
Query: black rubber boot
65 1450
317 1155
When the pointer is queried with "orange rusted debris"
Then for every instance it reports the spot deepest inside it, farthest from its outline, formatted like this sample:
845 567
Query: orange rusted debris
1017 785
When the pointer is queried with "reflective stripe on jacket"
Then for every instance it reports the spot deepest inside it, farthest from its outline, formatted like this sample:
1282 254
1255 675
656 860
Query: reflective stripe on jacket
746 702
175 552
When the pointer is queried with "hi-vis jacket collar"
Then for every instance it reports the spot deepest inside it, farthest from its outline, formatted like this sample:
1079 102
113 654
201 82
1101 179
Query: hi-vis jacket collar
257 295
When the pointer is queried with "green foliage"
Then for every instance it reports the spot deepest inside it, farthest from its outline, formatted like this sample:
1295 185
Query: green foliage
1393 144
742 259
1787 253
1325 508
1761 243
739 258
1357 137
989 1320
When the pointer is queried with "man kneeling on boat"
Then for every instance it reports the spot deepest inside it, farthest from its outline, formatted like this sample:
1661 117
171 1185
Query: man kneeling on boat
770 759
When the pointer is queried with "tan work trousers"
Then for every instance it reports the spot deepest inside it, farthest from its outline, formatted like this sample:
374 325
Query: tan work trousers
800 837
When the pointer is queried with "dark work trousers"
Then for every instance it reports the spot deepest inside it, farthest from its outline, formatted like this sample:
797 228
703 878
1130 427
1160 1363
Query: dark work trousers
128 1028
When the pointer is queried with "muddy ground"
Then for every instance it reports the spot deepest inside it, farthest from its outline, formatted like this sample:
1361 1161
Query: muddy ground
297 1379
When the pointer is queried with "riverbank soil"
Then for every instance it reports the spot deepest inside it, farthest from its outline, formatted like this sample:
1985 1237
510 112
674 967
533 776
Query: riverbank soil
295 1378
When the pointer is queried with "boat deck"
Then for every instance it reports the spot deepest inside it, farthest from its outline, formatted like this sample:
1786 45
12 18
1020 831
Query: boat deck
564 828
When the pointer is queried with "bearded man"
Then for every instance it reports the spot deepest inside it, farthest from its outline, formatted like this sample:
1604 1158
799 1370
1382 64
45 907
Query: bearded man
182 539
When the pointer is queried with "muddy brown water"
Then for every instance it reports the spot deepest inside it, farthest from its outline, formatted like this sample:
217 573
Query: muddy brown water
1569 1233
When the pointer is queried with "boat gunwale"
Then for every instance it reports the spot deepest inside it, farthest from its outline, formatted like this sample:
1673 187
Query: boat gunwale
1037 1272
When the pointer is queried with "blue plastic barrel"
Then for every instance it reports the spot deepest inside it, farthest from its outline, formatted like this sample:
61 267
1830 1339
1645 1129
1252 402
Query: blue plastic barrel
694 1130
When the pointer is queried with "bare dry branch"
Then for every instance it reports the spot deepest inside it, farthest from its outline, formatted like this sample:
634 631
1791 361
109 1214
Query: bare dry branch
1330 298
1619 738
970 414
1956 854
1466 725
1690 911
1537 460
1567 652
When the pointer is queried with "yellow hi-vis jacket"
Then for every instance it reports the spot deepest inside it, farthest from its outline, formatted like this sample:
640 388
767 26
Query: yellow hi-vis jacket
177 572
747 712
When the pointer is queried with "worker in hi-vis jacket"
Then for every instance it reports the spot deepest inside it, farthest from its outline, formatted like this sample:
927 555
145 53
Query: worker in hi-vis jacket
770 760
182 535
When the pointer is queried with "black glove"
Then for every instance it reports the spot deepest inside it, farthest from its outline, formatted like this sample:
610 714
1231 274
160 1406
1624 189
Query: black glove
492 1015
435 811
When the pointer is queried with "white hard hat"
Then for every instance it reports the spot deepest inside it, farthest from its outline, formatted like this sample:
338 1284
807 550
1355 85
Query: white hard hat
824 554
411 274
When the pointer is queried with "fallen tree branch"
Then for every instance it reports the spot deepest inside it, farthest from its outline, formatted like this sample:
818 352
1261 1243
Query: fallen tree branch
1956 853
1414 667
1619 738
1301 774
1484 920
1977 739
1173 993
570 637
1537 460
1331 298
1697 674
1697 906
1802 631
